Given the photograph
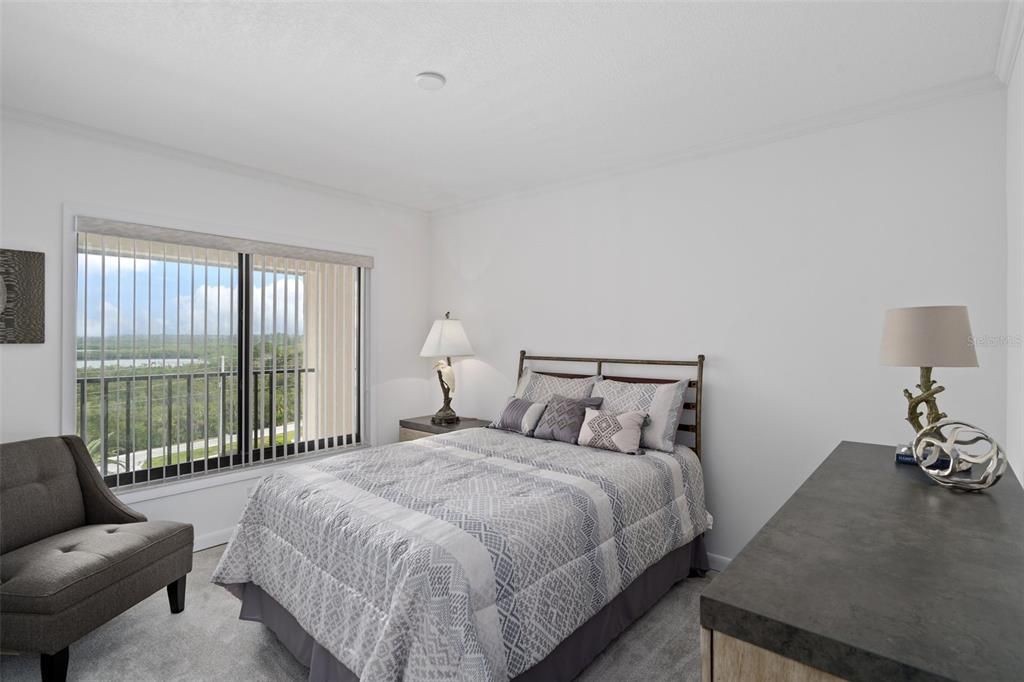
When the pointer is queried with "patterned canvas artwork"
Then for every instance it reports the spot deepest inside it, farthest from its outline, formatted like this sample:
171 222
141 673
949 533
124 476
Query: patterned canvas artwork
22 296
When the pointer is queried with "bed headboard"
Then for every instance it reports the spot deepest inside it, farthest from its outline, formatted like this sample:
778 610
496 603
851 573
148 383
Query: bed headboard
696 384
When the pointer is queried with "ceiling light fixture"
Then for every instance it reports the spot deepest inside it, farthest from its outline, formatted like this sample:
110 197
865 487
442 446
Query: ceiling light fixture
428 80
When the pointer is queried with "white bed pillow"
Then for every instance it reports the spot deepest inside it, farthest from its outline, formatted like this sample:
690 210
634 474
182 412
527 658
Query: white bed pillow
611 431
537 387
662 403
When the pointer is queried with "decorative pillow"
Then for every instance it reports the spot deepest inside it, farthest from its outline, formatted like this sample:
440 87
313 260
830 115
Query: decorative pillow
520 416
663 404
540 387
563 418
609 431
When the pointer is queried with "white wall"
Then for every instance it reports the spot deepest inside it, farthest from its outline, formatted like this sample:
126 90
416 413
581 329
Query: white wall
1015 265
44 167
777 263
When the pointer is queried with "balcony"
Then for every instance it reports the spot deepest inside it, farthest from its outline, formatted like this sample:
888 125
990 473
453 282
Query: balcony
143 427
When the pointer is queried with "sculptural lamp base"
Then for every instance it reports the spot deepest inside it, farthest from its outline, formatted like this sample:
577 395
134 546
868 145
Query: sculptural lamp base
446 378
445 415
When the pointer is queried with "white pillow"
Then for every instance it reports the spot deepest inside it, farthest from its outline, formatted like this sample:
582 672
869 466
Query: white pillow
610 431
663 404
537 387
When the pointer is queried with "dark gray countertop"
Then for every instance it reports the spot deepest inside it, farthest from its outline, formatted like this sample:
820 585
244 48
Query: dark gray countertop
870 571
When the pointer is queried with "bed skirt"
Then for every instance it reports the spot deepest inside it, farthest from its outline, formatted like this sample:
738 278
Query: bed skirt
567 660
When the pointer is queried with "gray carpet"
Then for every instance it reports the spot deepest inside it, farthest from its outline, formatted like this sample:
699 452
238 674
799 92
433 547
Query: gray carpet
208 642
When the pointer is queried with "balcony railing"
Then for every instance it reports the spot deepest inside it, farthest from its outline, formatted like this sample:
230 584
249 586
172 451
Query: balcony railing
159 446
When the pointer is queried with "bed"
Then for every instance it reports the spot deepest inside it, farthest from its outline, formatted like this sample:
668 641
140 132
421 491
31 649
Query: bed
475 555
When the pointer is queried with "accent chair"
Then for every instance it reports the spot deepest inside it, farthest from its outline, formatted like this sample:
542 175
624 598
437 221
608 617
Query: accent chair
73 556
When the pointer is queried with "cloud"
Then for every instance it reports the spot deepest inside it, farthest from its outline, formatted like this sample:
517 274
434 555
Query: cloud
212 308
279 290
205 309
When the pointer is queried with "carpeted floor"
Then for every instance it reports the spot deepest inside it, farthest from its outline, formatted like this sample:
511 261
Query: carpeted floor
208 642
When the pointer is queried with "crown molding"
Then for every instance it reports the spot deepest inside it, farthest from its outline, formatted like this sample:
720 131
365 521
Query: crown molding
214 163
815 124
1009 43
808 126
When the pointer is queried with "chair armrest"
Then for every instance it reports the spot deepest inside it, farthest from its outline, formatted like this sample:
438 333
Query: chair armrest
101 505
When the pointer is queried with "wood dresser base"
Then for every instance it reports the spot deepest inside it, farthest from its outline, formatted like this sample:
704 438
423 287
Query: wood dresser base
727 659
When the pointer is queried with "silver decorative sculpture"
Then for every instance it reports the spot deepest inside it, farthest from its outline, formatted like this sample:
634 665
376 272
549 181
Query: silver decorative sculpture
959 455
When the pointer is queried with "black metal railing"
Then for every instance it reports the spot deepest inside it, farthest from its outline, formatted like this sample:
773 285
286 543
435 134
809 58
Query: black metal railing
227 416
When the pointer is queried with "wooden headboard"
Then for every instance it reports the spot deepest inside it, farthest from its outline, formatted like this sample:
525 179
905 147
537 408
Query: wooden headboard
697 384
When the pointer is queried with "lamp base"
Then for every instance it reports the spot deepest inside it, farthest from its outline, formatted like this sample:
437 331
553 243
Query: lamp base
445 415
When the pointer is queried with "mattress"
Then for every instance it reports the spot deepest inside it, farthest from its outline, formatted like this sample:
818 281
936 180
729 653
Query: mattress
469 555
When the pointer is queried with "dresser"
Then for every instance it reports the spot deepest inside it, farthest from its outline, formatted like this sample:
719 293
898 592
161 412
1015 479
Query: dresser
420 427
871 571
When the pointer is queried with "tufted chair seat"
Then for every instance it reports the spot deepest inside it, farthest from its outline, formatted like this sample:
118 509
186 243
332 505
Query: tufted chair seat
55 573
73 556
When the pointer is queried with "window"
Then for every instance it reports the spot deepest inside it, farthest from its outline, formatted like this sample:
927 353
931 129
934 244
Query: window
197 353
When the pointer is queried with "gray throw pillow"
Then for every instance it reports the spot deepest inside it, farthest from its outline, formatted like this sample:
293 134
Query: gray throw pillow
563 418
519 416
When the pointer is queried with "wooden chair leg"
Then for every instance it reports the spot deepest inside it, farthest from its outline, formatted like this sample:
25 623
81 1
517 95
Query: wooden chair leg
176 595
54 668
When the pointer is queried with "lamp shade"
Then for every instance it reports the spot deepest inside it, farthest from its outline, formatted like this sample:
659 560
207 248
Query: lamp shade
928 336
446 338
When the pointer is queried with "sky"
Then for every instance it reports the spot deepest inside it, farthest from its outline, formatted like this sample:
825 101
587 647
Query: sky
198 298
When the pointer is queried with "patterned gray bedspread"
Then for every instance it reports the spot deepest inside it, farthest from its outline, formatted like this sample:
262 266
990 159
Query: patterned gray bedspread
466 556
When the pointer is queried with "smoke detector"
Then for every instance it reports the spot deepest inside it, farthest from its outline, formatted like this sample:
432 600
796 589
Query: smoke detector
429 80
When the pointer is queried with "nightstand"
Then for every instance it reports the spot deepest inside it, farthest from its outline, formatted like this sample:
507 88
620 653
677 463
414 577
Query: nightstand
420 427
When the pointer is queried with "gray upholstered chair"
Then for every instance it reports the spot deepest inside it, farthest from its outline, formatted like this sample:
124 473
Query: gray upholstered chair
72 556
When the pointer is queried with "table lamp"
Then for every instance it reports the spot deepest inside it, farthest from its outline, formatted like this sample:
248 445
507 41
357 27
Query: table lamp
952 453
446 339
927 337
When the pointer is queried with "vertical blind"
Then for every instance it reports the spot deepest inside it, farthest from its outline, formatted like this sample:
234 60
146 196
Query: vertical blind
197 353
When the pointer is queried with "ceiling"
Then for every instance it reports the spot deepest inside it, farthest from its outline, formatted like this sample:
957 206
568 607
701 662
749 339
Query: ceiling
537 94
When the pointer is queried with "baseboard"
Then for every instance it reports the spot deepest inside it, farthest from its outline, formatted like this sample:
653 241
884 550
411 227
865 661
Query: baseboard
718 562
212 539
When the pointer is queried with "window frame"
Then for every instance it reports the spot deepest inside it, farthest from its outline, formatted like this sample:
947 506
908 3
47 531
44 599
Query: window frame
222 464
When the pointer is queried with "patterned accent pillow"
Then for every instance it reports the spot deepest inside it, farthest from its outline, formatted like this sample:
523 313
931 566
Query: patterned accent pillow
663 404
540 387
563 418
519 416
609 431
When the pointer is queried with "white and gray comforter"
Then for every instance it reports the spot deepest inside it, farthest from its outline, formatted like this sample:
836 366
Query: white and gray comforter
466 556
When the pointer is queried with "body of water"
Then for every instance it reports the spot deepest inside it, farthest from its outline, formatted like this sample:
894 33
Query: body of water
139 362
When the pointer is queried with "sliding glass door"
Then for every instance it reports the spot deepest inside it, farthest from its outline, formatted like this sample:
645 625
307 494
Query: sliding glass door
191 358
304 346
